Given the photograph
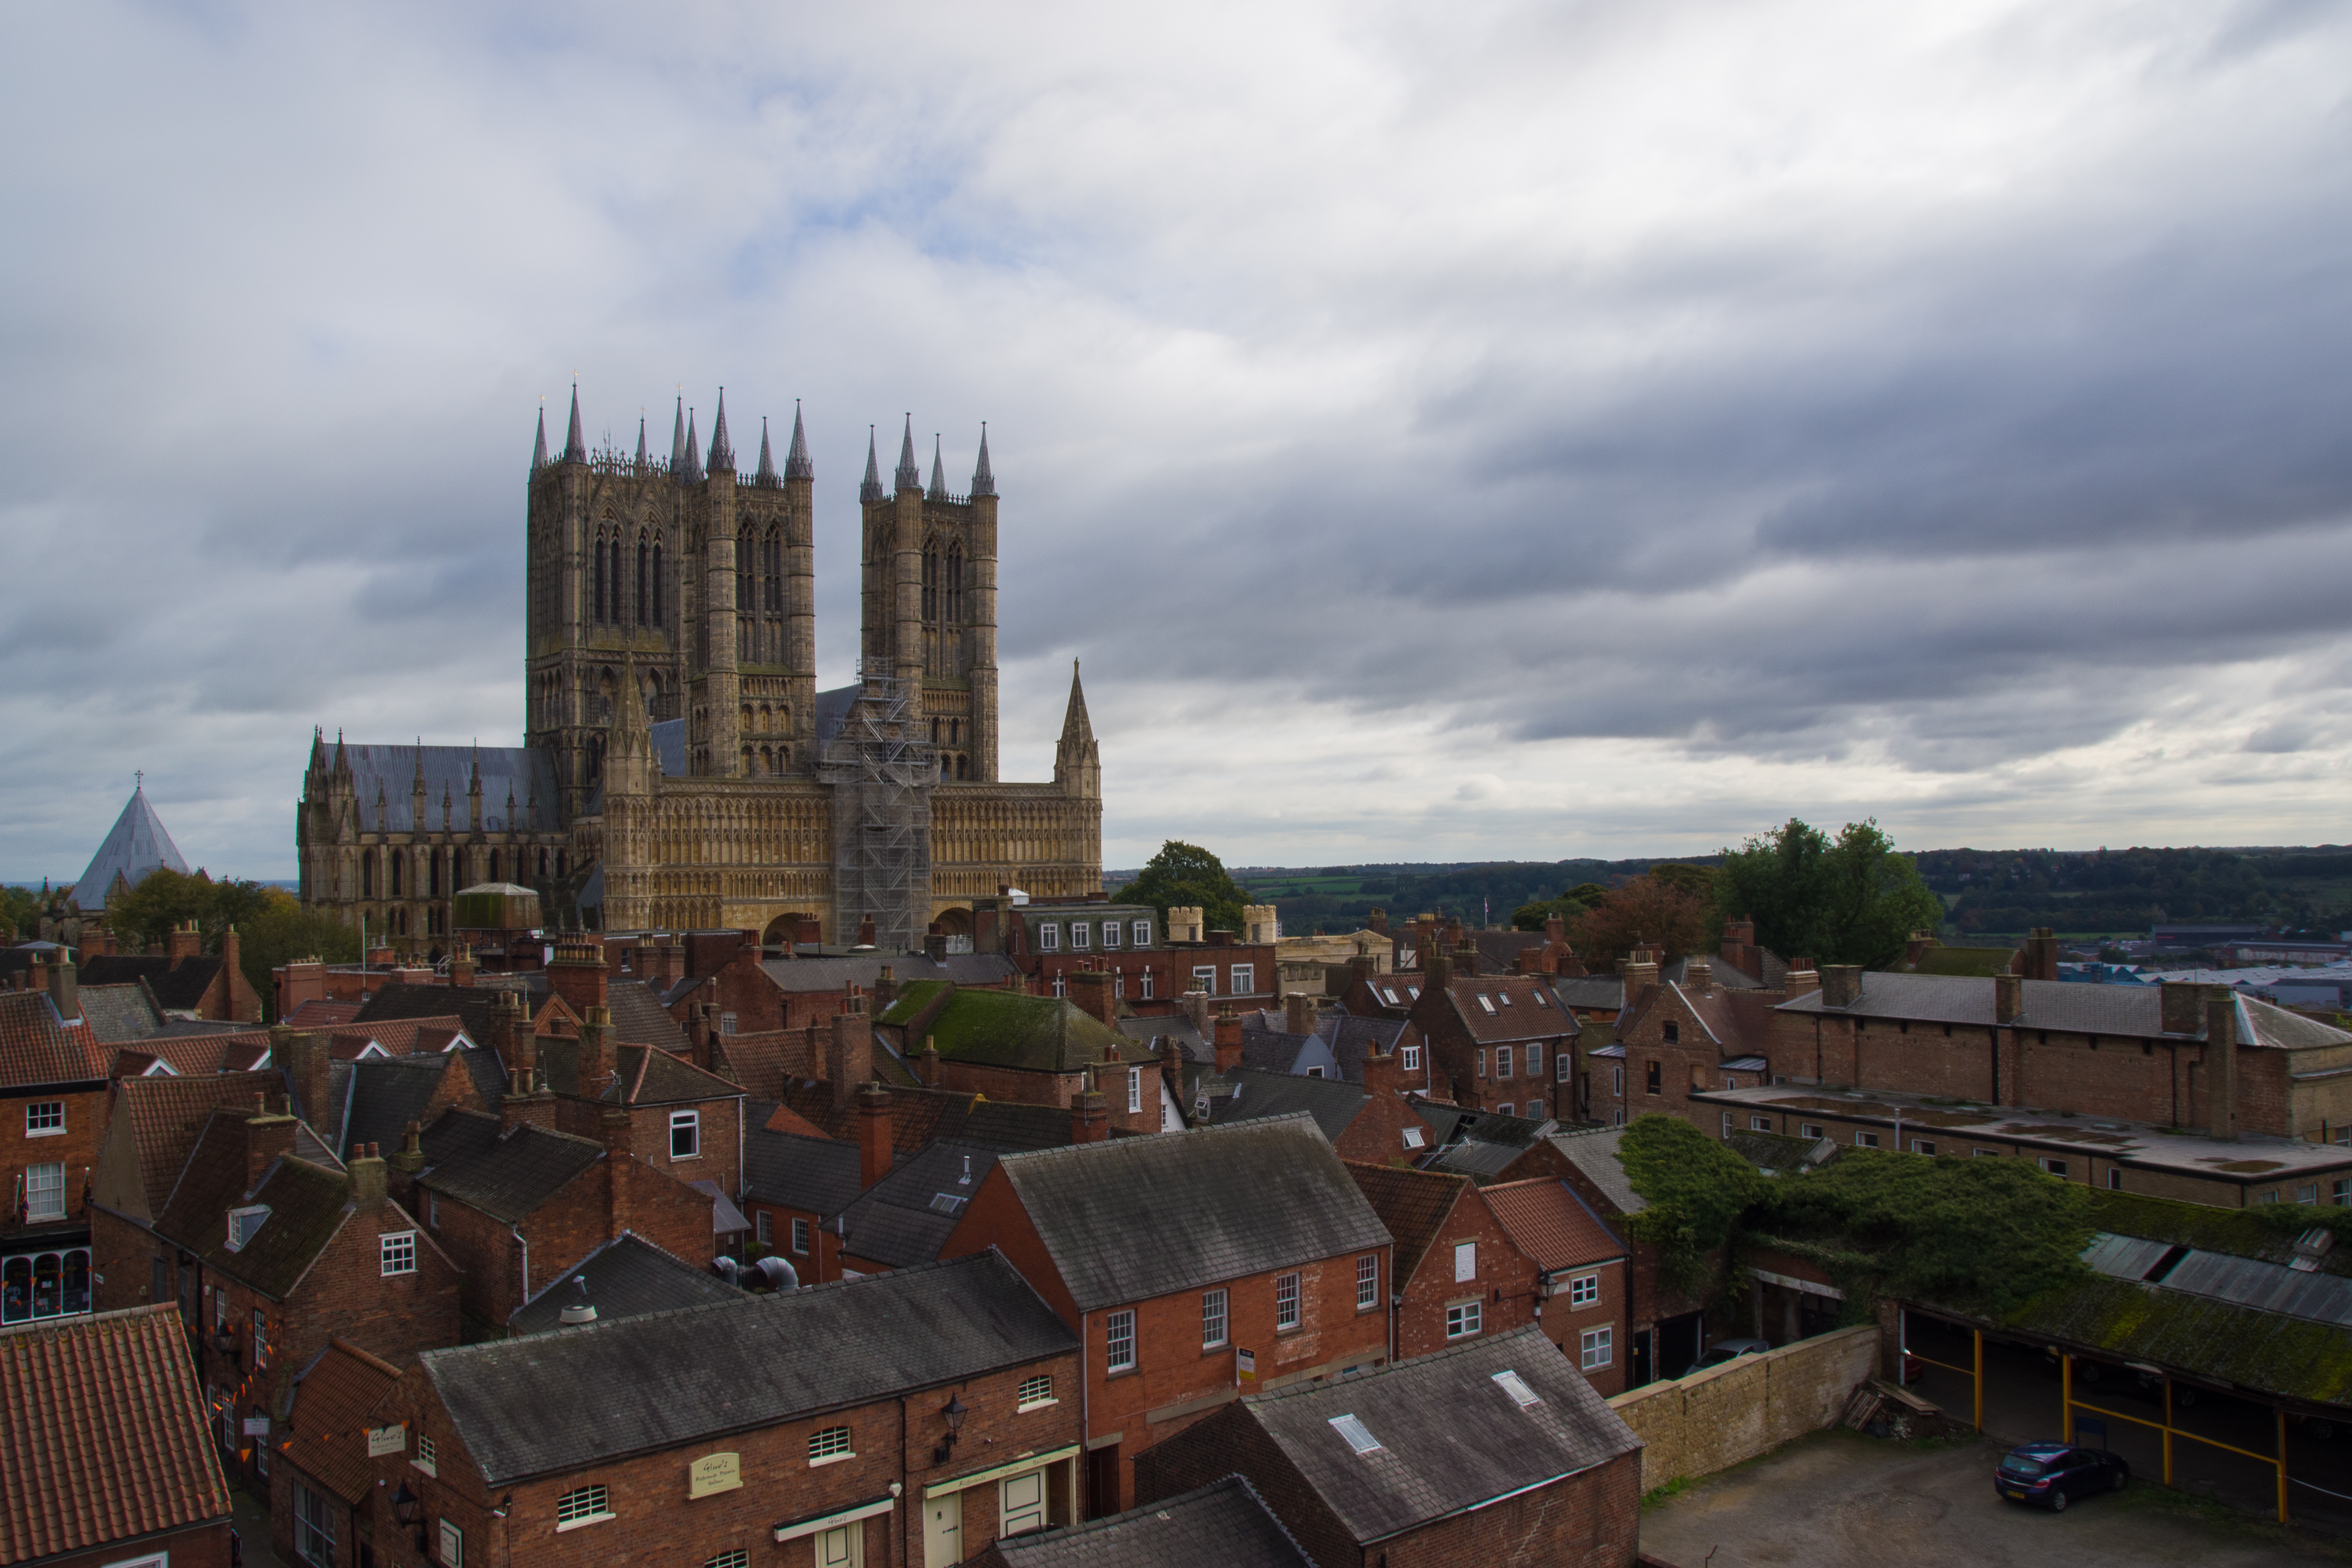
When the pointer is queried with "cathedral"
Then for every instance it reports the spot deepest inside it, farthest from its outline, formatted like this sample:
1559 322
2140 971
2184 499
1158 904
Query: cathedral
680 769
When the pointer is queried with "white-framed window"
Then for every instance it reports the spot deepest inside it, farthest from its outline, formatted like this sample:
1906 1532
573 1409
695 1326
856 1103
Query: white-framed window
764 1225
1584 1291
726 1023
738 1558
1482 1062
2342 1191
428 1457
44 1117
1759 1124
1213 1318
685 1134
1134 1090
220 1308
1810 1128
1560 1066
1923 1146
1534 1061
433 1210
1866 1140
314 1525
1464 1318
1984 1153
1411 1059
1035 1392
1204 979
1726 1124
1465 1260
1367 1281
1388 996
243 1223
1598 1348
1542 1000
1061 986
1110 933
44 1192
453 1545
582 1505
830 1445
396 1252
1413 992
1505 1109
1244 979
2055 1167
1502 1061
1142 933
1081 935
800 1236
1285 1302
1147 985
1119 1339
260 1339
1412 1137
1487 1003
1617 1080
1049 938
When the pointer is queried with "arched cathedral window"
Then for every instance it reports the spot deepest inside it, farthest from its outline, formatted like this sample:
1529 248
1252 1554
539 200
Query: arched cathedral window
774 568
930 582
601 587
644 551
743 574
661 616
955 583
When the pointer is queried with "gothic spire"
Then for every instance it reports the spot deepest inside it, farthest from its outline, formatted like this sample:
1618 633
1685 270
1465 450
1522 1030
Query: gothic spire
539 447
678 444
983 482
694 474
909 478
796 461
722 451
939 491
1077 729
641 443
575 450
767 474
871 490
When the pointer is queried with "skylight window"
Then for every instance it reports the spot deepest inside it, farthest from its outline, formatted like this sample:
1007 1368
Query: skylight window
1413 1139
1543 1000
1517 1387
949 1203
1487 1002
1390 997
1359 1437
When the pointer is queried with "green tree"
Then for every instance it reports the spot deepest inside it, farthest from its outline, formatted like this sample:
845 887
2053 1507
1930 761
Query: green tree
1851 900
1648 910
1572 902
1185 874
273 927
280 929
20 915
1696 1188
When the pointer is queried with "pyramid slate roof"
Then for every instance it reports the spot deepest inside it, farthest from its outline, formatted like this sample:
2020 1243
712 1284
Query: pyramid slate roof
137 844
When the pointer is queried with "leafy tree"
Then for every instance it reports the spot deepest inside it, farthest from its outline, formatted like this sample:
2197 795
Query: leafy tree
1696 1188
1185 874
163 899
273 927
1852 900
1645 909
1571 904
1698 880
20 915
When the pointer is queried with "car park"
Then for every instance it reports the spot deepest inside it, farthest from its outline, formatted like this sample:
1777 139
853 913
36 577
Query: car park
2052 1474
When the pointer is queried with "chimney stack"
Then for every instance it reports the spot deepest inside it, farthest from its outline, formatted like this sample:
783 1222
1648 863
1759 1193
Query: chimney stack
1194 1006
1228 1039
1699 975
1089 1116
268 1136
866 931
1916 948
616 1171
368 1181
873 1134
1840 984
598 1061
577 974
2041 954
928 1070
65 988
2220 1061
2182 1008
462 966
1089 992
935 946
1641 973
1299 1014
1802 977
2007 999
1381 1074
185 941
1377 920
303 1059
409 1158
849 1057
1171 1072
1436 969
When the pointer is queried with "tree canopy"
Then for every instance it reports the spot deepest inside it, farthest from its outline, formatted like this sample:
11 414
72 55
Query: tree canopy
1852 900
1652 909
1185 874
273 927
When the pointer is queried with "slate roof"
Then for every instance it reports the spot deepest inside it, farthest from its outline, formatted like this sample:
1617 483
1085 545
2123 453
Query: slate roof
1595 992
1451 1436
1257 1096
505 1173
918 1115
628 1277
1223 1523
1525 1008
983 970
905 1218
119 1014
159 1120
1778 1152
525 772
1147 1030
383 1095
1253 1196
106 1435
2132 1010
819 1174
640 1019
1480 1142
1412 1204
1275 1050
1737 1022
180 986
307 1205
1551 1226
666 1380
137 844
1595 1154
332 1397
39 1048
1352 1040
1013 1029
477 1006
641 1076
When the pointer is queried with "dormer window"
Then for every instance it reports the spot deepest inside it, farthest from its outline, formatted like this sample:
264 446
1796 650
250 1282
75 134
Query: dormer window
243 1223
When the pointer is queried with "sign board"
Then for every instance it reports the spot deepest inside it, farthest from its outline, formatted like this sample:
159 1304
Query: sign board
714 1473
257 1426
1245 1363
382 1440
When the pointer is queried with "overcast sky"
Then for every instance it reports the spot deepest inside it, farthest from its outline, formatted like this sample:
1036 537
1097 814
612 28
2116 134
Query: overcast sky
1443 431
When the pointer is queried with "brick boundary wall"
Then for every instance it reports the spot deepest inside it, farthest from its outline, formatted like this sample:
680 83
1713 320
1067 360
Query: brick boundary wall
1711 1420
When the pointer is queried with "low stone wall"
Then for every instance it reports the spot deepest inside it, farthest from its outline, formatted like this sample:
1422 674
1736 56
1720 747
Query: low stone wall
1710 1420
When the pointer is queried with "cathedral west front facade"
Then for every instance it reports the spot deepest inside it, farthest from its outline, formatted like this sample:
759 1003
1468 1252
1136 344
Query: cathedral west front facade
680 769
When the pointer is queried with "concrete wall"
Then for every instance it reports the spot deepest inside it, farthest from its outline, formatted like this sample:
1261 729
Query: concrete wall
1712 1420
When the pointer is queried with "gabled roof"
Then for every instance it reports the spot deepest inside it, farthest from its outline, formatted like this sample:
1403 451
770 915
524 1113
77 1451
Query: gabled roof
137 844
39 1048
640 1019
1551 1226
1502 1009
641 1076
1223 1523
398 1036
525 772
107 1436
628 1277
307 1205
818 1174
2130 1010
385 1094
506 1173
666 1380
1412 1204
158 1121
178 986
120 1013
1013 1029
1148 1030
318 1013
1450 1436
477 1005
1132 1218
325 1436
918 1115
208 1048
1594 1154
1352 1040
905 1218
1334 1103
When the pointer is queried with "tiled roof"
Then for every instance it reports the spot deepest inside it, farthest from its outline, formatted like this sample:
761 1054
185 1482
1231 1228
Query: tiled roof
307 1205
1254 1197
1523 1008
397 1036
666 1380
160 1120
477 1005
386 1095
1352 1040
625 1278
917 1115
318 1013
1274 1050
508 1173
1595 1154
120 1013
1551 1225
106 1439
38 1048
1223 1523
1450 1437
194 1054
1411 1204
640 1019
819 1174
179 986
755 1062
1257 1096
332 1398
904 1218
2132 1010
641 1076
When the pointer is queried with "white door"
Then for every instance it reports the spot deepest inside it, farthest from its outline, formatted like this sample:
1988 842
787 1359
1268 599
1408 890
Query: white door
1023 1505
842 1548
944 1530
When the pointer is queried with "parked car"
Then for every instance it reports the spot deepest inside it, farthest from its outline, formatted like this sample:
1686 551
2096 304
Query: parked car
1723 1351
2052 1473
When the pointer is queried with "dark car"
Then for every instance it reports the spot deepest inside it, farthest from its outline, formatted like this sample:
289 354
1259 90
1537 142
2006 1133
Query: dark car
2052 1473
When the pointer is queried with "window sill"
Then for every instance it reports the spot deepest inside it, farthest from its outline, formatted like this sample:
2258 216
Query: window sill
1033 1405
45 1133
584 1524
681 1159
1220 1348
1121 1372
829 1459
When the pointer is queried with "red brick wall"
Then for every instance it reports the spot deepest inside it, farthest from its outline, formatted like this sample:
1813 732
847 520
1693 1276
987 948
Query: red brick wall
198 1546
1377 1134
1593 1519
1564 1325
1171 973
1420 1321
821 1262
76 1149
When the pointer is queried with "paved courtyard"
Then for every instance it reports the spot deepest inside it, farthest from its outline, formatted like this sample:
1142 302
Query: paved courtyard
1838 1499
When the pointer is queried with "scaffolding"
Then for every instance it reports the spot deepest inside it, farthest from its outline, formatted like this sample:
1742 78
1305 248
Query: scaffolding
881 766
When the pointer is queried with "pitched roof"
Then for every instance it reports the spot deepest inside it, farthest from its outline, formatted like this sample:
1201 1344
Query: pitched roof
642 1074
397 1036
665 1380
756 1061
1254 1197
1551 1225
1352 1040
640 1019
307 1205
1148 1030
179 984
1595 1154
907 1217
523 774
320 1013
801 976
2133 1010
137 844
107 1439
507 1173
332 1398
119 1014
1450 1435
1256 1096
478 1006
161 1118
625 1278
1013 1029
384 1095
819 1174
1412 1204
1505 1008
216 1049
37 1047
1224 1523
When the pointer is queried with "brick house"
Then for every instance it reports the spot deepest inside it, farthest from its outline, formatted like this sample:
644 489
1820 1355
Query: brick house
1504 1042
793 1183
1486 1146
1458 1272
121 1473
53 1103
1680 1037
910 1417
1190 1267
186 981
1374 1123
1037 1050
1580 1273
1494 1452
320 1509
1664 1325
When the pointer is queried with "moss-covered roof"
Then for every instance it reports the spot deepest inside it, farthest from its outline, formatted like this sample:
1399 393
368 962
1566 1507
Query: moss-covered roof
912 999
2264 1352
2241 1233
1008 1029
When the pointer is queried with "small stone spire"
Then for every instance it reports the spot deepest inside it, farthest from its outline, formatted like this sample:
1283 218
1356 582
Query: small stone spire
575 450
983 482
939 491
539 447
678 444
694 474
767 474
641 443
909 477
722 451
871 490
1075 726
1077 759
796 461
